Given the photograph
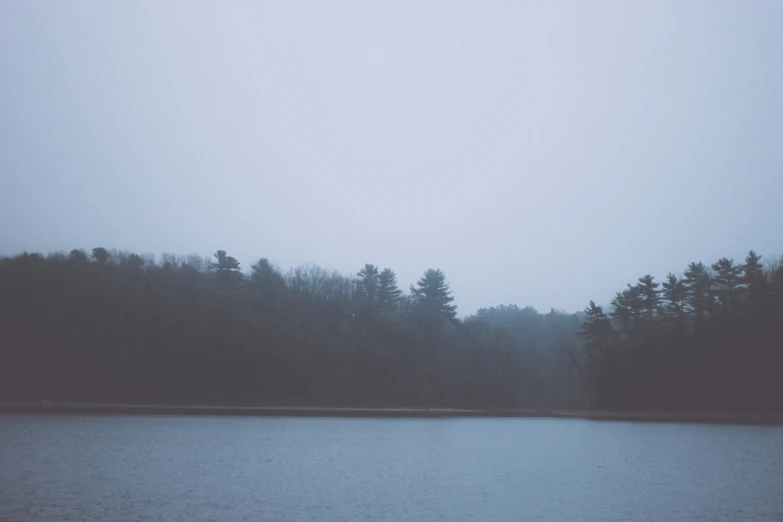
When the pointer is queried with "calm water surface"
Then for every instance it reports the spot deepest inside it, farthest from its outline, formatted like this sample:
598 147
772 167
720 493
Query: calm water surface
179 468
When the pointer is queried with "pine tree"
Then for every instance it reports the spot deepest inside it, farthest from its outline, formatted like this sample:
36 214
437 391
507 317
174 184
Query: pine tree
432 295
675 294
226 268
266 282
388 292
263 272
367 283
225 263
752 271
366 298
727 279
627 309
649 296
266 289
755 285
699 287
596 330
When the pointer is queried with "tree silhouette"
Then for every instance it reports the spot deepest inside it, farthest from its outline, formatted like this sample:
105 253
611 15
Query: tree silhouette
367 283
433 297
101 255
698 283
649 295
187 329
756 286
727 279
674 294
225 264
388 292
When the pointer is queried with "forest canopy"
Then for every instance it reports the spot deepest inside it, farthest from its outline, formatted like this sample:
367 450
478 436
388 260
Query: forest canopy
114 326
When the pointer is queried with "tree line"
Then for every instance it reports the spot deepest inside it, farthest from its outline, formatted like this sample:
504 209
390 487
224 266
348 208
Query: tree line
113 326
711 339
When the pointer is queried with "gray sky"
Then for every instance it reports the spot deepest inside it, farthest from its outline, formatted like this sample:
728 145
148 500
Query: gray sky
540 153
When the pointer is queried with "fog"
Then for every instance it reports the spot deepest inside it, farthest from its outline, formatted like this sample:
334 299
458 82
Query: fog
541 153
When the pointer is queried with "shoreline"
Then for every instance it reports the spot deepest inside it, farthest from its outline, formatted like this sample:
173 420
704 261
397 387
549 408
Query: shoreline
314 411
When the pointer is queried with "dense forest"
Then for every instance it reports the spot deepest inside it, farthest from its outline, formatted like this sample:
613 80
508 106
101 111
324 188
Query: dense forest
711 339
118 327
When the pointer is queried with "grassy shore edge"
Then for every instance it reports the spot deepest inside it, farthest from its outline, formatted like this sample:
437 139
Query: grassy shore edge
313 411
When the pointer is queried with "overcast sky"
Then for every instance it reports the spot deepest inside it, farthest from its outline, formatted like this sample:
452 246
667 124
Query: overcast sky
540 153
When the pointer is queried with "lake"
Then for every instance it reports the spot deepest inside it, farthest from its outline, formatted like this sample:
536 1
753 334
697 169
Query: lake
199 468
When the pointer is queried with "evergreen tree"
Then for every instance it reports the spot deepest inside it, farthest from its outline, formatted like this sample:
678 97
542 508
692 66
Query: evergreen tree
266 289
756 288
674 294
366 297
596 330
727 279
752 270
225 263
388 292
649 295
433 297
367 284
267 284
698 283
627 310
264 273
226 267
